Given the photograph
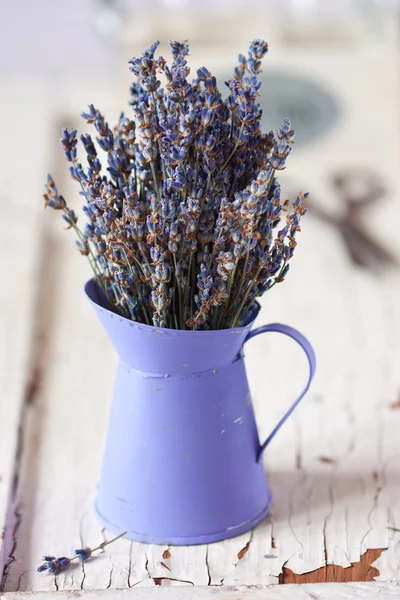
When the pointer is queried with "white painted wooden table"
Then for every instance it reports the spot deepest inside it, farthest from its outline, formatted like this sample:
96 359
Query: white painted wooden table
334 469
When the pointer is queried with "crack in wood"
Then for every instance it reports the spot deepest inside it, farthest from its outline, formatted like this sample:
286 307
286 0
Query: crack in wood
82 564
110 579
208 567
130 565
146 565
19 580
378 477
371 512
165 566
357 571
11 557
325 547
83 576
329 515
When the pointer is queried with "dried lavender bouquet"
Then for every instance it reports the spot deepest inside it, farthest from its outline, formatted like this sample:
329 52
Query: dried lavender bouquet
182 227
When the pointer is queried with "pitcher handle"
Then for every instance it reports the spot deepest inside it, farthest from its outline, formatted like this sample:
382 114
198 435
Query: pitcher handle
308 349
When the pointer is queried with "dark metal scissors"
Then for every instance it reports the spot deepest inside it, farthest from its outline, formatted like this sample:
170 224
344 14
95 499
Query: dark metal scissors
358 189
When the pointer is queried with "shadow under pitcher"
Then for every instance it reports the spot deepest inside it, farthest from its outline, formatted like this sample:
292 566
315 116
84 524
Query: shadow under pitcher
182 462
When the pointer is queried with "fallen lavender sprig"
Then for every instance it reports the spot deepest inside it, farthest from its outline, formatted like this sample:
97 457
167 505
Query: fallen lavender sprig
55 565
183 218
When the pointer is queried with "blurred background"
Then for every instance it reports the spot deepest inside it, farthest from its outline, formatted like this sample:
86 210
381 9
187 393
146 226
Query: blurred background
332 68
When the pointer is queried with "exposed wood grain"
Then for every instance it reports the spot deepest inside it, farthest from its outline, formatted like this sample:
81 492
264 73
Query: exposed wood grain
359 571
243 551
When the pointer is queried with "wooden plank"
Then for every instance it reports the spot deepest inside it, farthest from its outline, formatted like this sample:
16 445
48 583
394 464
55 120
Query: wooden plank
333 469
322 591
20 248
314 498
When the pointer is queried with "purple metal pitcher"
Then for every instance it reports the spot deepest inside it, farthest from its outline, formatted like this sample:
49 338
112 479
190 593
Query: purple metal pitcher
182 462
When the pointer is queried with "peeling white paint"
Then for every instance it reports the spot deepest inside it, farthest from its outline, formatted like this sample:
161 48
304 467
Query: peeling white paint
321 512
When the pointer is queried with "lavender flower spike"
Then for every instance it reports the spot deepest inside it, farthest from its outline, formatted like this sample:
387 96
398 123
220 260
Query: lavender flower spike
54 565
84 553
183 209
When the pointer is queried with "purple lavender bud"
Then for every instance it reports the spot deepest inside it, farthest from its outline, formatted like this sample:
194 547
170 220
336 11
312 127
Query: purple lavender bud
70 218
242 138
77 173
207 117
286 132
69 142
258 49
150 152
173 247
150 51
91 115
63 562
52 198
179 49
189 179
82 247
151 84
203 73
42 568
83 553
